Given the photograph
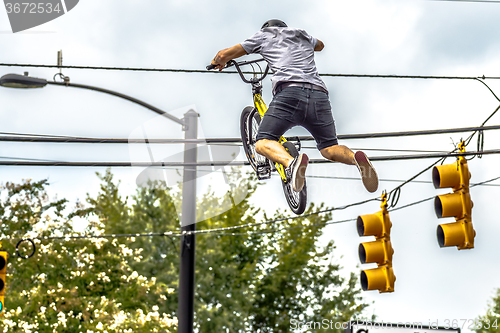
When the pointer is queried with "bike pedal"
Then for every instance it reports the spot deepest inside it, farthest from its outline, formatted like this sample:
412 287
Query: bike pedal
263 172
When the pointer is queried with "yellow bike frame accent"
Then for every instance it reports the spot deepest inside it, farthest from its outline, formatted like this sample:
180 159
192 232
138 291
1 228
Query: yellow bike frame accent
262 108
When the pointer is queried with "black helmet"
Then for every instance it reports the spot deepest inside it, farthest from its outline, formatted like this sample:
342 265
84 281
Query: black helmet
274 23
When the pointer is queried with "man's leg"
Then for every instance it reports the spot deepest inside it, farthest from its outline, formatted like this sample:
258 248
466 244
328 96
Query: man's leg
285 111
274 151
295 168
344 155
339 153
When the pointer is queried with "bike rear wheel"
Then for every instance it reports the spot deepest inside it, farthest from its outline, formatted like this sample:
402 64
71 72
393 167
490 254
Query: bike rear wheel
249 126
296 200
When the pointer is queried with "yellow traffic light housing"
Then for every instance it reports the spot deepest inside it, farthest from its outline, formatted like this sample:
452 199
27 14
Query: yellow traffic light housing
379 251
3 274
457 204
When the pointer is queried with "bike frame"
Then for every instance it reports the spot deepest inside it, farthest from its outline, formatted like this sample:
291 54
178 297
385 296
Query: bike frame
258 102
261 107
296 200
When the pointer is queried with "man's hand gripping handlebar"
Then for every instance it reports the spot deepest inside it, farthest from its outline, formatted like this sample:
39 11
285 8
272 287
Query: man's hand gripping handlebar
228 64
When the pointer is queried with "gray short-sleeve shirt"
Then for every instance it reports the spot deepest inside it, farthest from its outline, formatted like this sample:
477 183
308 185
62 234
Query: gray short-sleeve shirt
289 53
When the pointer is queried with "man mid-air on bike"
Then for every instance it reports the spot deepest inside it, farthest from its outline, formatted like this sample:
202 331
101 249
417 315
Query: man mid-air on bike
300 98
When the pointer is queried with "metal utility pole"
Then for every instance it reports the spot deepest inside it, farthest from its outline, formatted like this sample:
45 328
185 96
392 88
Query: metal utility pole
185 313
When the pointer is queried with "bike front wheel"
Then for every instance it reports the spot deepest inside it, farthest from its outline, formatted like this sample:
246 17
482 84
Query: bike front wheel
249 122
296 200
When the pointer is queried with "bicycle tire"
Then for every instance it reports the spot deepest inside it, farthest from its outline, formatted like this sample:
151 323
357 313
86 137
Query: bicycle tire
296 200
249 125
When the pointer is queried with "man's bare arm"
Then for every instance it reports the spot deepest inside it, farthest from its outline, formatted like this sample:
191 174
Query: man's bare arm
319 46
223 56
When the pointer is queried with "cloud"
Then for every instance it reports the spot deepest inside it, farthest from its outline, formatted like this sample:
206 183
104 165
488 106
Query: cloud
454 34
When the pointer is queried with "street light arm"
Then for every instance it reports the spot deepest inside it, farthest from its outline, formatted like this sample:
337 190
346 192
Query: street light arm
25 81
117 94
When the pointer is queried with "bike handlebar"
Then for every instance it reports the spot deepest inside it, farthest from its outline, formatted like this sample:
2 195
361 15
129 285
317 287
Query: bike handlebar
243 63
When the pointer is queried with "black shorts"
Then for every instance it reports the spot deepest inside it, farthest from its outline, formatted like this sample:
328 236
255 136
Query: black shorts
298 106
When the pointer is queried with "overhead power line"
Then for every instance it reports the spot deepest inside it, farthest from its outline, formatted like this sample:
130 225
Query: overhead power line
20 137
430 198
120 164
389 180
214 231
229 163
415 133
223 231
204 71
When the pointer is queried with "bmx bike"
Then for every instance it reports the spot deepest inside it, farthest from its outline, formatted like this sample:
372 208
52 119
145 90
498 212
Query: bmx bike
249 125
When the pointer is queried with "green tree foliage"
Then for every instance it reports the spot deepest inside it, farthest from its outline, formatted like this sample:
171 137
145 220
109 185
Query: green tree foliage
252 279
490 322
71 286
152 210
258 278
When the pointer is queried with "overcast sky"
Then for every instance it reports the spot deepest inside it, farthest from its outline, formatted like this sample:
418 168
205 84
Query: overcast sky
412 37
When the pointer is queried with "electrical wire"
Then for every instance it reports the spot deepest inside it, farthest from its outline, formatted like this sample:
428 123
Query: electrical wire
25 159
479 130
19 137
396 192
386 180
388 150
221 231
174 168
218 230
223 163
281 229
35 135
68 237
430 198
204 71
206 231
